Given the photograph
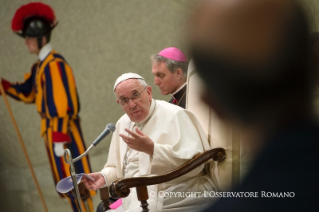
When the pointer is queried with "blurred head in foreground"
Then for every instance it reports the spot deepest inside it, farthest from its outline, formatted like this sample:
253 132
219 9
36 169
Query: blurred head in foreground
256 60
315 40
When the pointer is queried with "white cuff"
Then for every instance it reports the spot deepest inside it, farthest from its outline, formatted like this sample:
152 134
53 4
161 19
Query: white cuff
103 175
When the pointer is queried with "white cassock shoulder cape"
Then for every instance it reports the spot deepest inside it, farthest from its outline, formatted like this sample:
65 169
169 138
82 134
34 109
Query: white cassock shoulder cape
178 137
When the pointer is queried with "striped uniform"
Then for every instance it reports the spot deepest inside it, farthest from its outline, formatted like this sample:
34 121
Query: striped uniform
51 86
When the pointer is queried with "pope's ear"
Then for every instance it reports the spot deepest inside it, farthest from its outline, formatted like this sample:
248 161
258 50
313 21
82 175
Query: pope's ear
149 91
118 102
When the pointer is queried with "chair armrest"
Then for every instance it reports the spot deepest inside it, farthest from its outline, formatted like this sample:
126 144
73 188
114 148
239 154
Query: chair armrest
121 188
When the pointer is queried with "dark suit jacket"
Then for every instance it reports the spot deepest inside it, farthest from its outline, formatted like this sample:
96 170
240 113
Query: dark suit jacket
289 164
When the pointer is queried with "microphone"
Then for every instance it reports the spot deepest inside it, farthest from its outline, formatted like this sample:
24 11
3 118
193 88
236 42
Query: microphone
108 129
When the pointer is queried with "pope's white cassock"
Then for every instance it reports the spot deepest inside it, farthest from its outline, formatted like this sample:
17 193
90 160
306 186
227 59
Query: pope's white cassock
178 137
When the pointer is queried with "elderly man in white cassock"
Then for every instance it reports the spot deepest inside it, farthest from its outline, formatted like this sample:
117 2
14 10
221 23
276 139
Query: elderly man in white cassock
152 138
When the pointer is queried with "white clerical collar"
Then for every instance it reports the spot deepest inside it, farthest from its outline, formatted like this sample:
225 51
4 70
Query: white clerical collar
150 113
180 88
46 49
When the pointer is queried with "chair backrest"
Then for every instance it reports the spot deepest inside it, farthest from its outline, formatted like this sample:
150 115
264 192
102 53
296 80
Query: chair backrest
217 132
122 188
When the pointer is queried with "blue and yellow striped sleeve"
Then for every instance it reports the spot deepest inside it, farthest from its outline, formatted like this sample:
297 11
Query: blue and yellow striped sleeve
61 97
60 90
24 91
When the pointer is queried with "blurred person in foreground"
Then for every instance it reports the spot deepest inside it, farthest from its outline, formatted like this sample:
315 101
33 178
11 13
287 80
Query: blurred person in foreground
257 62
50 85
315 40
169 68
152 138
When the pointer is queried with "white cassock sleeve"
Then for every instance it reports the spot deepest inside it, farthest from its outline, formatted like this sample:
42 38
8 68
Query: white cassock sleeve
109 169
113 167
180 141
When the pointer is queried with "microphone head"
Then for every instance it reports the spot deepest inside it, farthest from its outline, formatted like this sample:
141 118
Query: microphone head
111 127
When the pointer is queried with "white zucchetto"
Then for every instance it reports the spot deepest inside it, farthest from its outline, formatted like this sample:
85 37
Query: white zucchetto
126 76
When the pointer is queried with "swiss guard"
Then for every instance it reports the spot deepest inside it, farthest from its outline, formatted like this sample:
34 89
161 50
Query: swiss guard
51 87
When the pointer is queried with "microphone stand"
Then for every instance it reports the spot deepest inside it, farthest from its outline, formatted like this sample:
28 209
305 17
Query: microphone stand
68 159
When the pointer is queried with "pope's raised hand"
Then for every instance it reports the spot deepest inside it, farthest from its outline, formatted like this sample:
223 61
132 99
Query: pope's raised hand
139 141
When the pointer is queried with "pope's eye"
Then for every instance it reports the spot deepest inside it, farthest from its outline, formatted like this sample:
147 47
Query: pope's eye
135 95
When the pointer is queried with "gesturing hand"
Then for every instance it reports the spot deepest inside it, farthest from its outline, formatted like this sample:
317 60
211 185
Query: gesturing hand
139 141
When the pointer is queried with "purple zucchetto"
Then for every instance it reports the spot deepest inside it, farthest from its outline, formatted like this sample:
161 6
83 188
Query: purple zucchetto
173 53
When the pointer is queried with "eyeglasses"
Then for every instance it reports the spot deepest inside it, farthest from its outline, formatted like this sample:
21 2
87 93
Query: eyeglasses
135 98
